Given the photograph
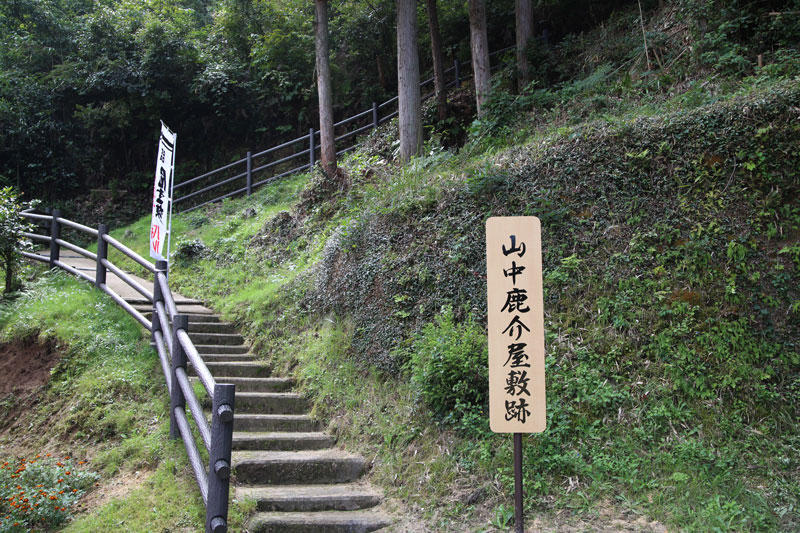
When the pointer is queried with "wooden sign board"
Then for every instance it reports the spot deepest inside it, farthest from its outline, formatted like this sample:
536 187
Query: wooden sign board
516 325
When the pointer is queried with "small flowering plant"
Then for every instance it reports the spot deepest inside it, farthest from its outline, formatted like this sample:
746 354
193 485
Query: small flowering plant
39 493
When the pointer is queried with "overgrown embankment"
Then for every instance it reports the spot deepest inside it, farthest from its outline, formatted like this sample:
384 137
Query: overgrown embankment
672 313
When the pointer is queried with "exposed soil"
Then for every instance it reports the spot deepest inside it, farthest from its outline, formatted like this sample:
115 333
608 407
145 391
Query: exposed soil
25 365
116 488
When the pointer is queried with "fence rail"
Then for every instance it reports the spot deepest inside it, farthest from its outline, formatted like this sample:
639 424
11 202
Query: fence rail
243 172
175 349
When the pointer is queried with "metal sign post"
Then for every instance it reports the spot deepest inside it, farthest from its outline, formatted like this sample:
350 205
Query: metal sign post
518 514
516 335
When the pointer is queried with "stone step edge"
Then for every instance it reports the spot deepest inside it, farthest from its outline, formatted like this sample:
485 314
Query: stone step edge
311 498
360 521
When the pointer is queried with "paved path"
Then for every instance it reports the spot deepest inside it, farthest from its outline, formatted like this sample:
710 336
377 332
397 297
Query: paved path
84 264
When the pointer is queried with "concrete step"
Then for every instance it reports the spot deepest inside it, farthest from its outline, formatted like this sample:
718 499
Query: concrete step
297 468
202 317
193 317
219 339
243 369
179 302
258 422
271 403
222 357
212 327
281 440
258 384
319 522
226 348
310 498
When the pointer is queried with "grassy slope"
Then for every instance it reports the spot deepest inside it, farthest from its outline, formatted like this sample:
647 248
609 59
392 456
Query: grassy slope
671 221
672 317
106 402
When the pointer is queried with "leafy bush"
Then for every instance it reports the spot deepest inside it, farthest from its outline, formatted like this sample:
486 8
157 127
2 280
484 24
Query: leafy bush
40 492
11 240
502 113
449 367
486 180
189 250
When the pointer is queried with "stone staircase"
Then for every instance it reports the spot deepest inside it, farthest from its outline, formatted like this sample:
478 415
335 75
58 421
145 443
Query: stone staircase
281 459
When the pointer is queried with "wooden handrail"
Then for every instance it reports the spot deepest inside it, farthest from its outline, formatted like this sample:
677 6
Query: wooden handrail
130 253
314 135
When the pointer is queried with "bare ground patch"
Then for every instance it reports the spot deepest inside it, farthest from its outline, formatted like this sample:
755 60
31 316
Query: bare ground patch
25 365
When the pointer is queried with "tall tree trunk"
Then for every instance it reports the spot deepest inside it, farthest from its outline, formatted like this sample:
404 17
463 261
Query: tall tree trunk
327 147
480 51
438 62
408 98
524 34
381 76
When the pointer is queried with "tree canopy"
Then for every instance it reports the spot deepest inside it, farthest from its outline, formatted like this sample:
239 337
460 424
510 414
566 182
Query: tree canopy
83 84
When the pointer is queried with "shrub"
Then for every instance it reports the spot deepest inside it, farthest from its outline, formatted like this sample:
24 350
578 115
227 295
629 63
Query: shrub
189 250
449 367
11 240
39 493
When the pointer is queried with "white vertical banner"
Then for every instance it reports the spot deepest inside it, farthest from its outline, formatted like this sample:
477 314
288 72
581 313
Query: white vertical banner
162 193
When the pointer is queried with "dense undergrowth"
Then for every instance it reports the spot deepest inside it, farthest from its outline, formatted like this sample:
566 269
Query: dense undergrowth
105 406
670 209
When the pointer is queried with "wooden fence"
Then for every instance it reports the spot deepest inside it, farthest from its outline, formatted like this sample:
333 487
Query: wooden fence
256 169
175 350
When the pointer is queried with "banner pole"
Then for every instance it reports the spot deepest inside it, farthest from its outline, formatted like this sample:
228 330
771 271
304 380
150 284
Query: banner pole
171 197
518 515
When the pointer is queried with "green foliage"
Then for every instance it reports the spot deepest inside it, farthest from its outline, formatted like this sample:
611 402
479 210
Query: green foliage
503 517
40 492
448 367
487 180
12 225
669 207
107 358
730 34
189 250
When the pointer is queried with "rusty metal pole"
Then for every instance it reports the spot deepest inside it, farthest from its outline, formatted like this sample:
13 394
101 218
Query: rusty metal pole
519 526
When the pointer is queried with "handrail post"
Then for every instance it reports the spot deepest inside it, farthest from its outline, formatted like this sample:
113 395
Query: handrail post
161 267
249 173
178 361
219 456
55 233
374 114
311 148
457 72
102 254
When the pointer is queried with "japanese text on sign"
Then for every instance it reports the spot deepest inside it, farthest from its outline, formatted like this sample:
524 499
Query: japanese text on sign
516 325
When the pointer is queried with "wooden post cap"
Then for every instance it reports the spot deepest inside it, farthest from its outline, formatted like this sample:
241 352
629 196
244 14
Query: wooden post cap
218 525
225 413
222 469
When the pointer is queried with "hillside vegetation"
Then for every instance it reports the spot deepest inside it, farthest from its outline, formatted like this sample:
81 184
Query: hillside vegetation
671 225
